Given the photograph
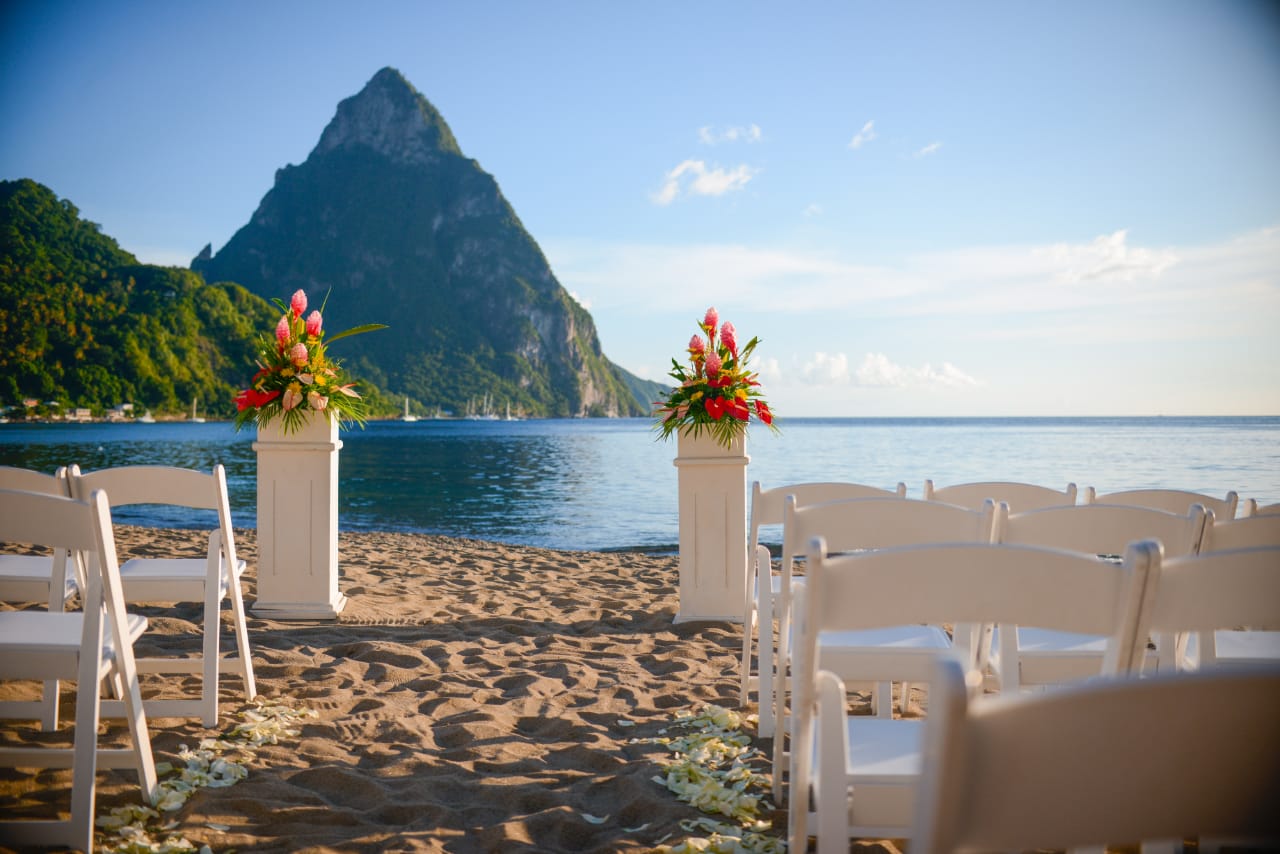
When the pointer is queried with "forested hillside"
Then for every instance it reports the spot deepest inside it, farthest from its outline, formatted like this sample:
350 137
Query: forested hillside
83 323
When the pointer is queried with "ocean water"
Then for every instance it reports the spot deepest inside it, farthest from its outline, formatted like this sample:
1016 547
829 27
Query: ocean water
609 484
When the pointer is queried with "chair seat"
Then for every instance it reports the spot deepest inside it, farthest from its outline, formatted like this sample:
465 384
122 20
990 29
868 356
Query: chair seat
1233 645
39 640
25 578
158 579
884 751
895 653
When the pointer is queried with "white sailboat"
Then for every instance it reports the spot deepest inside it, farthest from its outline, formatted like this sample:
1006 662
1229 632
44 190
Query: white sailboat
407 415
146 418
195 419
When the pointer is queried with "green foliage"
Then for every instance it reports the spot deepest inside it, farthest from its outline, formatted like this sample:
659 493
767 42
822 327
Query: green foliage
83 323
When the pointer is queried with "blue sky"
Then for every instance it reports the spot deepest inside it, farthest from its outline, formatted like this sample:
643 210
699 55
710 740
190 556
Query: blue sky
1032 208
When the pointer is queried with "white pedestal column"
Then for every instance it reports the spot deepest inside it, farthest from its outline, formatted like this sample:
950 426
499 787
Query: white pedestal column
298 522
713 528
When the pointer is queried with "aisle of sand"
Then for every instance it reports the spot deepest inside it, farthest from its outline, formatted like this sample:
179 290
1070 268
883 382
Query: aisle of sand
469 699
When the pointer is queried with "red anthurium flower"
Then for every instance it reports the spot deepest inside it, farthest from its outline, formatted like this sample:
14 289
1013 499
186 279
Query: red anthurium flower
738 409
715 408
762 409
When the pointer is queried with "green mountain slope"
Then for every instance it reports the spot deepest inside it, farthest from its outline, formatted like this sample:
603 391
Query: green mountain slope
83 323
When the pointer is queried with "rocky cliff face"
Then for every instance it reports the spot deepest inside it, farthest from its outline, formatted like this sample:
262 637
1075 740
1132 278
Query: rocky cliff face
391 220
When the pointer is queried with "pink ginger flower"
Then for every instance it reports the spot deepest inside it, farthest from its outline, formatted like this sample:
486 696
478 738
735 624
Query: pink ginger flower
713 364
710 322
298 302
696 348
314 322
730 338
317 401
298 355
283 332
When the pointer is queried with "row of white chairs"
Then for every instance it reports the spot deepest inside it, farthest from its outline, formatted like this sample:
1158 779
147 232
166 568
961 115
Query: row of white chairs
69 514
858 775
767 593
211 580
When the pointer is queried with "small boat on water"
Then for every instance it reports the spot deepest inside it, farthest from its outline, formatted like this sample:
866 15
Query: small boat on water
146 418
408 416
195 419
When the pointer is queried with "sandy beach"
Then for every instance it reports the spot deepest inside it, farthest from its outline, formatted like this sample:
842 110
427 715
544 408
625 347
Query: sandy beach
472 696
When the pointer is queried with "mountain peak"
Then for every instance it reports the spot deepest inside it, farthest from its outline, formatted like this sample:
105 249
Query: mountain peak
391 117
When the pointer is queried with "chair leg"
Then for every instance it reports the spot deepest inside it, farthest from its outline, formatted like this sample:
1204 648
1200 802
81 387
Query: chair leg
210 663
49 705
242 639
744 682
766 684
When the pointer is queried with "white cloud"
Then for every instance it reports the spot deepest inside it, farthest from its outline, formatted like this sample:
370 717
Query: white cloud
692 177
813 209
1109 257
585 303
878 371
867 134
825 369
708 135
931 148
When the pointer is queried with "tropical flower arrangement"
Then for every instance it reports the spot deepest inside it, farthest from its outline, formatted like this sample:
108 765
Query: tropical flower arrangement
296 377
716 392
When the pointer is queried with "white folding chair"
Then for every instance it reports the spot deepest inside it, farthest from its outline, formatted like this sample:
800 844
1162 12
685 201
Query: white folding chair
1099 763
1019 496
1216 608
764 585
1026 656
85 647
855 525
39 578
1173 500
861 772
176 579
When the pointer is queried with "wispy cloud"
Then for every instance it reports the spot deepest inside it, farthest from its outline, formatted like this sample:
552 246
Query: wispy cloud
1101 276
693 177
813 209
931 148
862 137
708 135
878 371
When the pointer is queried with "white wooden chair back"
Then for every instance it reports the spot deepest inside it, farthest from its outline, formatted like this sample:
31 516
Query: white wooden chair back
29 578
1089 765
1104 529
1173 500
1243 533
1019 496
86 647
761 604
1230 600
177 579
1253 508
1026 656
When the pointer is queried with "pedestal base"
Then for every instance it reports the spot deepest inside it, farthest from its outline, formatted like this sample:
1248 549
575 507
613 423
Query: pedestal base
298 522
713 529
299 610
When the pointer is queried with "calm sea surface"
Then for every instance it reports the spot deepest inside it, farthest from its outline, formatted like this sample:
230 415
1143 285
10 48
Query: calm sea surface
604 484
